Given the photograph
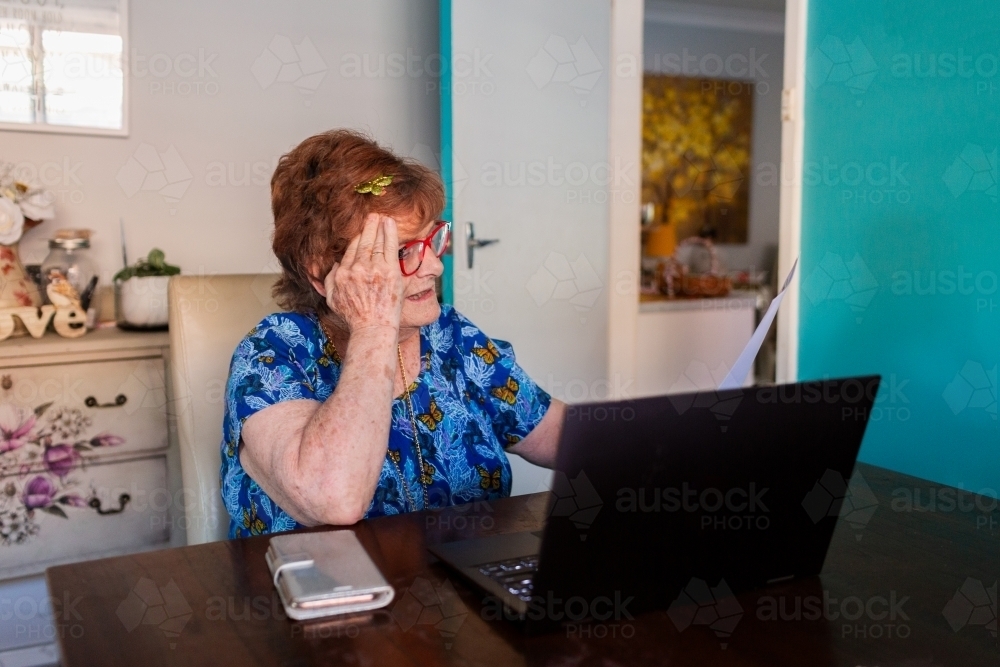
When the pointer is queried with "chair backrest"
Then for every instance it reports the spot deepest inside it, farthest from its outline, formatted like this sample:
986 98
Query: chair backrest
209 315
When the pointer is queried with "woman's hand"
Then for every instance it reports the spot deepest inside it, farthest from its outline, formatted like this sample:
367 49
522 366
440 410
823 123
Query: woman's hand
365 289
321 461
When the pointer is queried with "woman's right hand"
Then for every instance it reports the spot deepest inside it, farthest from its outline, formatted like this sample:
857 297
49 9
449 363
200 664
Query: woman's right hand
321 461
365 288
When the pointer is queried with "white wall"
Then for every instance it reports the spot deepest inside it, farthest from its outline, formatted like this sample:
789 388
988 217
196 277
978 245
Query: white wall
667 44
536 152
691 345
230 126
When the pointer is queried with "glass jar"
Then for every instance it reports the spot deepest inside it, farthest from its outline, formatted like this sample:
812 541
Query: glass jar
71 259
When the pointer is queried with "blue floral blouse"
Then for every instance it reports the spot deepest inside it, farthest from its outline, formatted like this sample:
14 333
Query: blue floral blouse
471 401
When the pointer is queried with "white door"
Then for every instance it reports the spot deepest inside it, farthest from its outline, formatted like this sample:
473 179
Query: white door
529 143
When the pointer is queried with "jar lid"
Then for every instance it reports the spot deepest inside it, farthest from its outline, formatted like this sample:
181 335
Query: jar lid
69 244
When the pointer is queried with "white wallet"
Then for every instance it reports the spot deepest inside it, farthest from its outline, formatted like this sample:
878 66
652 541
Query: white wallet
325 574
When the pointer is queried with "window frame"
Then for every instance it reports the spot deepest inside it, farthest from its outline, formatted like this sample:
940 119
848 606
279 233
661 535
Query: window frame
48 128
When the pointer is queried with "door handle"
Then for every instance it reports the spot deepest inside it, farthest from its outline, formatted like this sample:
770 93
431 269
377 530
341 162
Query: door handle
471 242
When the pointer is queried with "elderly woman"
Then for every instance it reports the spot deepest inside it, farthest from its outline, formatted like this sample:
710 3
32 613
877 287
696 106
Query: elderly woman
368 397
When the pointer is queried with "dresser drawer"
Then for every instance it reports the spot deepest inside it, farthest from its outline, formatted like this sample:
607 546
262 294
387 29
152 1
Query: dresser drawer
47 519
101 409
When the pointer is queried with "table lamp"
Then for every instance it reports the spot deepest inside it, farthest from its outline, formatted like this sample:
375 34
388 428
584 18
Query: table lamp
662 241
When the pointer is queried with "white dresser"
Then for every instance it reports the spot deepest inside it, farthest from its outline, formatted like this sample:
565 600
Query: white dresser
86 465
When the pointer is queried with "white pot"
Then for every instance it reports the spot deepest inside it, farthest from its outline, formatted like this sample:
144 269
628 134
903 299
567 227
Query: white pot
142 302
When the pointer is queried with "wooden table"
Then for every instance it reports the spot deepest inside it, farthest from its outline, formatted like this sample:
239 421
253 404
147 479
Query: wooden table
214 604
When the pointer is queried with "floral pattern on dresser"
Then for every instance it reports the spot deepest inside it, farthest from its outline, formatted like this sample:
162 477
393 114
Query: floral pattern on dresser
42 452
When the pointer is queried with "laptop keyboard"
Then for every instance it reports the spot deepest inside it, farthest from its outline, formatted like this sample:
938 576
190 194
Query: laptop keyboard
516 575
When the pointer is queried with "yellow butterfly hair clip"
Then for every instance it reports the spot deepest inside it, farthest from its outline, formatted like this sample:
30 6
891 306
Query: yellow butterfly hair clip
376 186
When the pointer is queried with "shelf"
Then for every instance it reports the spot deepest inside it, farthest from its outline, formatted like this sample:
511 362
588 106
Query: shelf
98 340
735 301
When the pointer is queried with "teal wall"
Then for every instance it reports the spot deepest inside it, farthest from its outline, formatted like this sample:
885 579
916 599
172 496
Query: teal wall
901 226
447 278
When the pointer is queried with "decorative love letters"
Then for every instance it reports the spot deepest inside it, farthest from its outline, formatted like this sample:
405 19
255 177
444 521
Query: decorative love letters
70 322
35 319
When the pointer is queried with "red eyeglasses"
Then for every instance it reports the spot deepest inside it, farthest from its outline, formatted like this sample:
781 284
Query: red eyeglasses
411 254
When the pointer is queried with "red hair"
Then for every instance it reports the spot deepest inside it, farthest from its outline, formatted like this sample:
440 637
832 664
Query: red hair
317 211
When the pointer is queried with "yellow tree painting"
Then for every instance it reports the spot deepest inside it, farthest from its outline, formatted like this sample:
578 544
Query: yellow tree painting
696 154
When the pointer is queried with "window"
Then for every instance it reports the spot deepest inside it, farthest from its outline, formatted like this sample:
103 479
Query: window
61 66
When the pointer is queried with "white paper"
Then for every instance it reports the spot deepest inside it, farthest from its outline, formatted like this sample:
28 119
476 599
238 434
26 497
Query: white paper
738 374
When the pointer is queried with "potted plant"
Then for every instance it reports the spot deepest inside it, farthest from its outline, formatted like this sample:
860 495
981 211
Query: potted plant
141 292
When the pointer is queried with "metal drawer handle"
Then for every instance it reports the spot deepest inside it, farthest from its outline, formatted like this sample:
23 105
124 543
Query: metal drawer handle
91 402
122 502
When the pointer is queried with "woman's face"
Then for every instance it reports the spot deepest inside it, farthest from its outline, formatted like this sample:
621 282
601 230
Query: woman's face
420 304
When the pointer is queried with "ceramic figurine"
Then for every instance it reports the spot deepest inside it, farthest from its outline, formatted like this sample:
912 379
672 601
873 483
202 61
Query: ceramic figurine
61 293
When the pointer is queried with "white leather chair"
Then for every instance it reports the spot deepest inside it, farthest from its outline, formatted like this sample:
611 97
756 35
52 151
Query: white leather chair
208 317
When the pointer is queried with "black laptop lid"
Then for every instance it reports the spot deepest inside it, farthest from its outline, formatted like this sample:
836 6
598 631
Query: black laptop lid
741 487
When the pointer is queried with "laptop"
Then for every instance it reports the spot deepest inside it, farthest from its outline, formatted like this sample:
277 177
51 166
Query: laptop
656 499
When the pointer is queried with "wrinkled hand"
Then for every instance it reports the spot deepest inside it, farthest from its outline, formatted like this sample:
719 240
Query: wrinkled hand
365 288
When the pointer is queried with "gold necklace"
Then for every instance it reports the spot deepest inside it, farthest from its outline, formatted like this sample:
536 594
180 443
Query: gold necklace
426 471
